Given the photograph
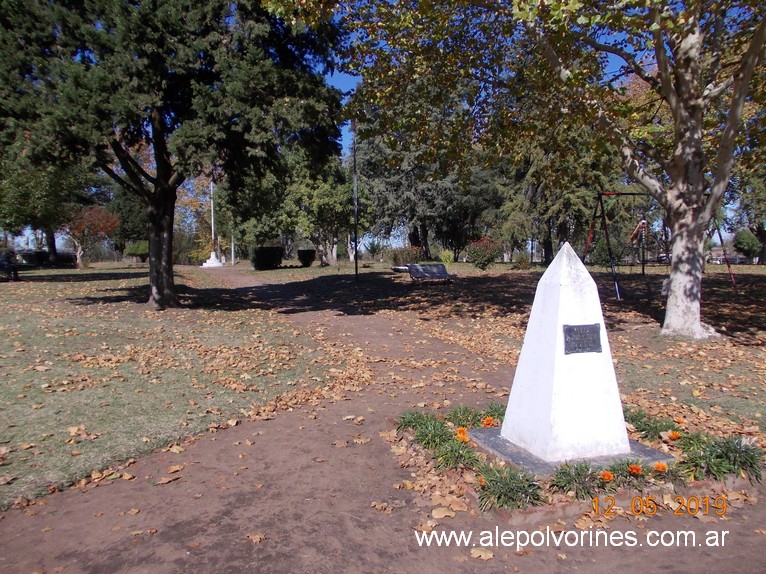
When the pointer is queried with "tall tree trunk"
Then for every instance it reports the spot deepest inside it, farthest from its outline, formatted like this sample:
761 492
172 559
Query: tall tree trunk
760 233
350 246
425 248
162 290
682 313
547 242
328 251
50 242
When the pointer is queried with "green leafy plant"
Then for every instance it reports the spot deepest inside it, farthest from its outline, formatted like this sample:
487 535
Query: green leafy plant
578 478
668 473
745 458
446 256
494 410
705 456
138 249
484 252
374 247
463 416
433 433
691 442
650 427
505 487
413 420
629 473
454 454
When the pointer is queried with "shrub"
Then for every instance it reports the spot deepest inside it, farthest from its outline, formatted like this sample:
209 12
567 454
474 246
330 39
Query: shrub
404 255
264 258
747 243
484 252
374 247
522 261
138 249
307 256
446 256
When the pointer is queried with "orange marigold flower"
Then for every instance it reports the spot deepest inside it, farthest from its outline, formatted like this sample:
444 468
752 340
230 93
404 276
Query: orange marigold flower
660 467
679 420
461 434
674 435
606 476
487 422
481 481
635 469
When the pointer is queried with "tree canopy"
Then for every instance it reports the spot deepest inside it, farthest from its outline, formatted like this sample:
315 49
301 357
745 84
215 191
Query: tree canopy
574 58
213 86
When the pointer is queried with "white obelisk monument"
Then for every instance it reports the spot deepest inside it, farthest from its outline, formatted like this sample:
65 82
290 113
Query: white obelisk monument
213 260
564 403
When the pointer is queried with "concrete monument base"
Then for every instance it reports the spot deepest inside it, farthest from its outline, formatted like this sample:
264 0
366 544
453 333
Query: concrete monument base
213 261
490 441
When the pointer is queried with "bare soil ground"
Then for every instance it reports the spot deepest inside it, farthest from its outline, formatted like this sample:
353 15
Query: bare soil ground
311 485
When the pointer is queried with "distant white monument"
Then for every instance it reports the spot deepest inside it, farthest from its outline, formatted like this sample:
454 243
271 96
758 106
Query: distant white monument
564 403
213 260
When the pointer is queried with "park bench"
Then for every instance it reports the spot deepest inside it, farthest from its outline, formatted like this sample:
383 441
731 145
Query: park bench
429 272
8 269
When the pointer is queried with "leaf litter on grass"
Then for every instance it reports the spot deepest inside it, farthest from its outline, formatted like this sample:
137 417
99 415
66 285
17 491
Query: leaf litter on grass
84 386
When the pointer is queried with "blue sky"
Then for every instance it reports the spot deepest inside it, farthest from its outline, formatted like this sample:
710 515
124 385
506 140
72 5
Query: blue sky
347 83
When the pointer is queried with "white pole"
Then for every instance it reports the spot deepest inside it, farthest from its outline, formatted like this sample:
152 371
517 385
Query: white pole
212 217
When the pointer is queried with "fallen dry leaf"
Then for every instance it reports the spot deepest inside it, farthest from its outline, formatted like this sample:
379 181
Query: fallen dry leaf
482 553
256 537
167 479
442 512
175 468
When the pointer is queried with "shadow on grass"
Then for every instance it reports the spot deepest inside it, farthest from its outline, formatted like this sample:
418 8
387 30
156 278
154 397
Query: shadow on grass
84 277
736 313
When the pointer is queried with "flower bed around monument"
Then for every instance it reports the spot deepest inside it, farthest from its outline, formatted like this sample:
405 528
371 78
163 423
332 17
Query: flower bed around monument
500 485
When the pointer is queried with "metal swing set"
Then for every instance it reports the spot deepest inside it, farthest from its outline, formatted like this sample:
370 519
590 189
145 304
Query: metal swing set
639 238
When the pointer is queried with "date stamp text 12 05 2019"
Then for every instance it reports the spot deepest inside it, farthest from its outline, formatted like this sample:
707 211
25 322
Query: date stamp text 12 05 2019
649 506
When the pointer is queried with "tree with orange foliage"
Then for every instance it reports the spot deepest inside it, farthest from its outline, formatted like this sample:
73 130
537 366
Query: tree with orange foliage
90 226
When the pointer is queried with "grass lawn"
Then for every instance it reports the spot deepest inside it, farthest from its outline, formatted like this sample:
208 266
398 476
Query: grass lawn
89 378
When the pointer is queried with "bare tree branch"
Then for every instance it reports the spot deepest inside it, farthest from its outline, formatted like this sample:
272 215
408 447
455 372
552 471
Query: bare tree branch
626 57
132 169
741 79
663 67
712 91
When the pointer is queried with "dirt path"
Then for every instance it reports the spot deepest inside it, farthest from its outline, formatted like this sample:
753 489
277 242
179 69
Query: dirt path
312 490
